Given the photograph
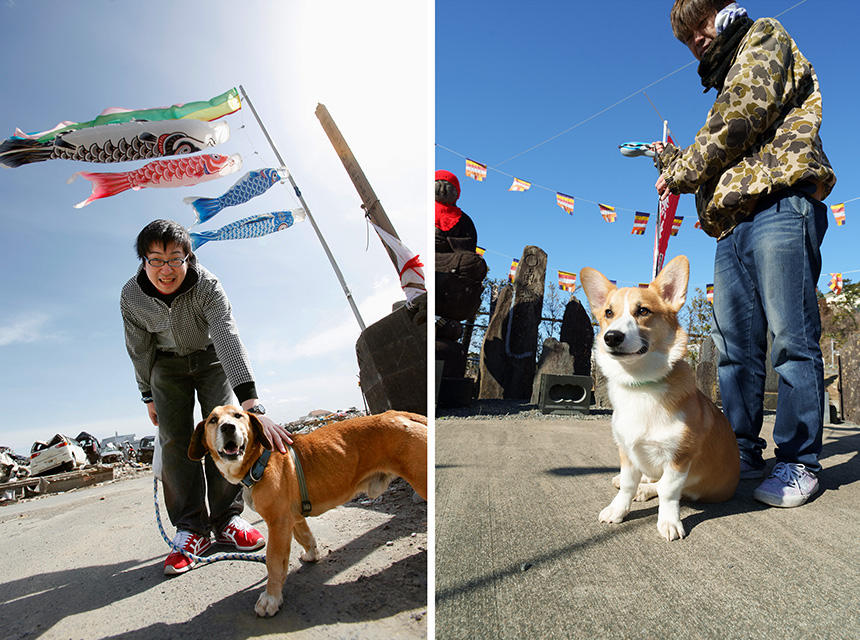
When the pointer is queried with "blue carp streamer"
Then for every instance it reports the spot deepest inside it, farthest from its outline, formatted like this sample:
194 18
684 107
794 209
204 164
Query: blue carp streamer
252 184
250 227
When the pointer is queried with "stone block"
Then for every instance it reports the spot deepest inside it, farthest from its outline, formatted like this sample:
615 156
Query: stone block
392 360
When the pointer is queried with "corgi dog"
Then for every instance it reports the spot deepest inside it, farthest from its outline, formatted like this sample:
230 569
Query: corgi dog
665 428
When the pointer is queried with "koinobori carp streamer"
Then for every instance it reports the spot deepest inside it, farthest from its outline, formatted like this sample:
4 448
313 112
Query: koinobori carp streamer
250 227
118 142
219 106
251 185
177 172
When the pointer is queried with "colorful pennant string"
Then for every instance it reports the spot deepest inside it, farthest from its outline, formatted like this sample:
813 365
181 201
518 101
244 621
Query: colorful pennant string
476 170
709 291
567 281
480 250
520 185
838 213
676 224
640 221
565 202
607 212
513 272
836 283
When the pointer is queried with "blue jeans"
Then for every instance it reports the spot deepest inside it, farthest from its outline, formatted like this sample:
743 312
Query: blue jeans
187 484
765 278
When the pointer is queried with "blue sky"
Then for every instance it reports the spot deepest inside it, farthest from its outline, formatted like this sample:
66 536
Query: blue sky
511 75
64 364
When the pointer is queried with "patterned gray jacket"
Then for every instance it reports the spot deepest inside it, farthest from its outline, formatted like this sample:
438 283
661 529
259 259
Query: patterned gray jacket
761 135
197 318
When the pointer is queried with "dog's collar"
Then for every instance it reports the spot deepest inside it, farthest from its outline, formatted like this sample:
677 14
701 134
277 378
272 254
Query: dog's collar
256 474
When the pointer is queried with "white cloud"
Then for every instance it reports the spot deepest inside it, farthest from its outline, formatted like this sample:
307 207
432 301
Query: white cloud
24 329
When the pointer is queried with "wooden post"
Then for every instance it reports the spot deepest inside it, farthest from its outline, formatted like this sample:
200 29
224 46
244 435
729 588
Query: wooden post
370 203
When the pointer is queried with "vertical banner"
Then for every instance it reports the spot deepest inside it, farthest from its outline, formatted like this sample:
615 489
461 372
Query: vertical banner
665 217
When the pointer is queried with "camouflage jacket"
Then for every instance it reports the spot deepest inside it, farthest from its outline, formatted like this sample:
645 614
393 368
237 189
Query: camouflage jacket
761 135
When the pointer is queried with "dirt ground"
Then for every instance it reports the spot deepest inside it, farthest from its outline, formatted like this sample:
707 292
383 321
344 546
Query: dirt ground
88 564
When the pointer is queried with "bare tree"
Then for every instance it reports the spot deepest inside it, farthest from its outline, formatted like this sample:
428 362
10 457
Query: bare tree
697 319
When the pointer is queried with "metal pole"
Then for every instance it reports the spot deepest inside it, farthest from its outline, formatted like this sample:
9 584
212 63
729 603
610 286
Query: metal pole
328 252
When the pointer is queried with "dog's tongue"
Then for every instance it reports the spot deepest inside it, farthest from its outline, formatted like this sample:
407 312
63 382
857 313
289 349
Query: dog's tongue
231 449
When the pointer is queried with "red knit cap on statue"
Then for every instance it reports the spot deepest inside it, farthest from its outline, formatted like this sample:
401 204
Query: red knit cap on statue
447 215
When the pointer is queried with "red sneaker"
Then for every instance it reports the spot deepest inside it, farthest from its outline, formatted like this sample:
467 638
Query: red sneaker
176 562
241 535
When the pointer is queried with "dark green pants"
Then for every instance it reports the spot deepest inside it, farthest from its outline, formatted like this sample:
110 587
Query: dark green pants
187 484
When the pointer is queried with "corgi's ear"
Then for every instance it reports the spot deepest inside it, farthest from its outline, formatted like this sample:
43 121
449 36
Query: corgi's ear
197 446
597 288
671 282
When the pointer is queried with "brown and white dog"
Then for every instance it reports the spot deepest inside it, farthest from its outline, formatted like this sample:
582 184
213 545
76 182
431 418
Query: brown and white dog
665 428
339 461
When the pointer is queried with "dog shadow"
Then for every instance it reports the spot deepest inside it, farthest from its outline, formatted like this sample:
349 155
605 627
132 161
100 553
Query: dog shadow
310 599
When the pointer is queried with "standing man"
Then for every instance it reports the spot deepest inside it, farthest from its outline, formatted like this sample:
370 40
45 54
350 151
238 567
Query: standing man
759 173
182 339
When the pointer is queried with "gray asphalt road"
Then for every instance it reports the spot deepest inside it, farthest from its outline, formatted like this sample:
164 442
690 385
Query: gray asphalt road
520 553
88 564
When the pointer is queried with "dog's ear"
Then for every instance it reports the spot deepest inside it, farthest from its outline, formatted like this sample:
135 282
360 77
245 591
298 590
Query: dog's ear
671 282
597 288
257 428
197 447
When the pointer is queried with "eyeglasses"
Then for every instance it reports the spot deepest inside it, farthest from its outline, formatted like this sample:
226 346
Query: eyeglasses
158 262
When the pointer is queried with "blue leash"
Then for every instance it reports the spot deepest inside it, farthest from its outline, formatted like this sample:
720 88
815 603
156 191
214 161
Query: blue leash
252 557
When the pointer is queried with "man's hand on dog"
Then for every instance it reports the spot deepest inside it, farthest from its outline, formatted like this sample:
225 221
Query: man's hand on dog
277 434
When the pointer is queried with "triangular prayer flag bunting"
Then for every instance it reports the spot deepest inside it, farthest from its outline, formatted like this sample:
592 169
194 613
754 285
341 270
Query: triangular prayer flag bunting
698 224
480 250
476 170
709 289
640 221
607 212
520 185
838 213
676 224
566 281
565 202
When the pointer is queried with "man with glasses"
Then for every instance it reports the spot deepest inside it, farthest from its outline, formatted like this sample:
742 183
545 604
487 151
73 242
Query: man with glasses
182 339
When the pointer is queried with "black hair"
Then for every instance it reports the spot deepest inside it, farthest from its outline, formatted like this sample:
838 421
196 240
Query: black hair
164 232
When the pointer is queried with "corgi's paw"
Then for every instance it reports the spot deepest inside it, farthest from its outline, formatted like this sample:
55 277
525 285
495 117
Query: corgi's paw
645 491
671 529
268 605
613 513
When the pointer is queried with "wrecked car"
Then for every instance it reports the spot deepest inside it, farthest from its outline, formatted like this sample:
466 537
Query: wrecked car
61 453
146 448
90 445
110 453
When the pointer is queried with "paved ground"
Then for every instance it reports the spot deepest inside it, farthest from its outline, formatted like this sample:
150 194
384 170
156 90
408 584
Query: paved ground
88 564
520 553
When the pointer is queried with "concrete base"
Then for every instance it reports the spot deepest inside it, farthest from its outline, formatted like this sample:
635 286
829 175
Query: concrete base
392 361
564 394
